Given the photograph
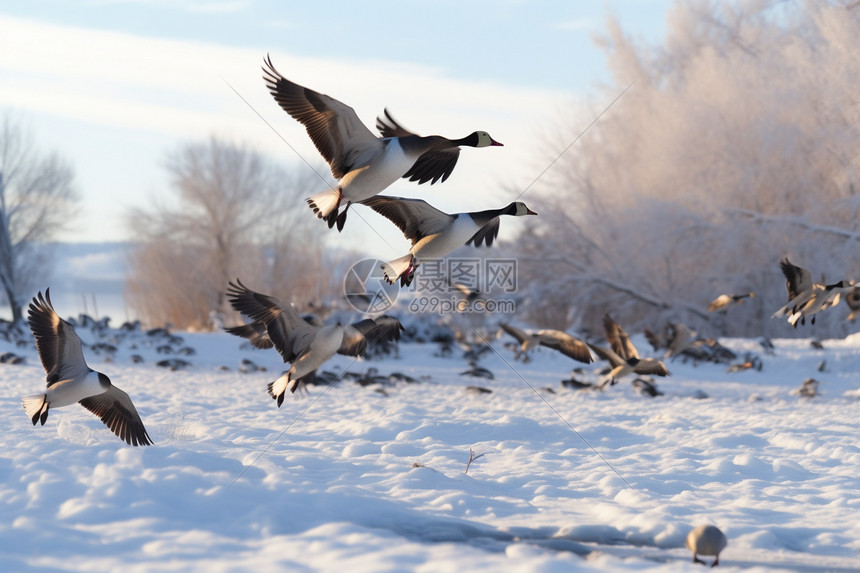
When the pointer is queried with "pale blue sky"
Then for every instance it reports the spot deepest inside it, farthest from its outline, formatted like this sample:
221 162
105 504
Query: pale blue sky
114 85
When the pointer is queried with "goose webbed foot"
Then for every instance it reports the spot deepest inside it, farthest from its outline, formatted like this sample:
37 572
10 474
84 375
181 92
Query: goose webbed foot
341 219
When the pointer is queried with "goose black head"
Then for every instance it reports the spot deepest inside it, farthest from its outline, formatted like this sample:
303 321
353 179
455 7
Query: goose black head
518 209
479 139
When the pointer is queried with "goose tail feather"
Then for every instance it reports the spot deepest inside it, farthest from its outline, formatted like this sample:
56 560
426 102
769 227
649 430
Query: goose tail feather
36 408
278 388
395 269
325 203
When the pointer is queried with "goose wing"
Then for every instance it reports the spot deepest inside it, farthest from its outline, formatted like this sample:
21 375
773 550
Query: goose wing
486 234
117 412
432 165
340 137
651 367
568 345
255 332
361 335
57 342
852 298
607 354
288 332
797 279
517 333
618 339
414 217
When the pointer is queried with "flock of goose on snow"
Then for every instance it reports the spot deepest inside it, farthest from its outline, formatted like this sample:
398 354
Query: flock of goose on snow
364 165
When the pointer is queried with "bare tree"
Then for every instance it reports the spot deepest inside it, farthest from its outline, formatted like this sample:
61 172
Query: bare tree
37 200
234 213
738 143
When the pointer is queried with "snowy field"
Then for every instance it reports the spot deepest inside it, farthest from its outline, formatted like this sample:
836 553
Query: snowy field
371 478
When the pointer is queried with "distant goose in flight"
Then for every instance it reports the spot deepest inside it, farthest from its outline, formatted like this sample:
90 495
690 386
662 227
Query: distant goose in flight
363 163
70 380
435 233
706 540
724 301
305 346
568 345
623 356
852 300
805 297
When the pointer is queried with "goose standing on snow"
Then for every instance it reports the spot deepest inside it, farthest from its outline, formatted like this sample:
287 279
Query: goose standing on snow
706 540
556 339
70 380
435 233
363 163
623 356
305 346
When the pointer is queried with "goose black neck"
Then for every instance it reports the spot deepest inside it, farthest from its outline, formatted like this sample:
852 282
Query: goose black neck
470 140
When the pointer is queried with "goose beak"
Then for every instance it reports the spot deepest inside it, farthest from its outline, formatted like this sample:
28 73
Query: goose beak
530 212
495 143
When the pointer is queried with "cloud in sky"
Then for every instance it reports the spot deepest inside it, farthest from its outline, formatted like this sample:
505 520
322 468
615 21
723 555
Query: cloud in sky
177 89
576 25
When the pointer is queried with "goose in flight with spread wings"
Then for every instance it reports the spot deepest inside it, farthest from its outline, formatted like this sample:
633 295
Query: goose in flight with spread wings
363 163
568 345
623 356
806 297
70 380
434 233
304 345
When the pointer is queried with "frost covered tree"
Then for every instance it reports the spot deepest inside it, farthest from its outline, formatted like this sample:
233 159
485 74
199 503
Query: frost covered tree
37 200
233 213
737 143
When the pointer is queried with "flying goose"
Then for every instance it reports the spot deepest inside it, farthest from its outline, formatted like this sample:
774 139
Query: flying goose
805 297
305 346
682 339
623 356
724 301
706 540
70 380
363 163
556 339
852 300
435 233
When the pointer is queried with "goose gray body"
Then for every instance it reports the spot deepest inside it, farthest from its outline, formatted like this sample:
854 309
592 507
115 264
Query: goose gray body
303 344
363 163
434 233
70 380
724 301
706 540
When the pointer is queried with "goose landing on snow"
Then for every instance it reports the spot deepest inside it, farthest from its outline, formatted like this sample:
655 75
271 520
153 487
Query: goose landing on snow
70 380
435 233
363 163
304 345
623 356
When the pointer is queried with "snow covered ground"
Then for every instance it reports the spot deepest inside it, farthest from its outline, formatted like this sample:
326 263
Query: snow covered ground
371 478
